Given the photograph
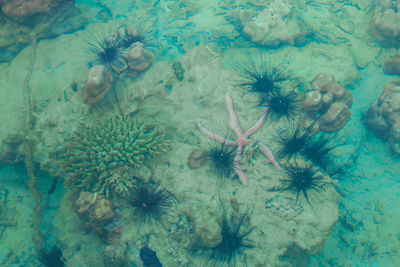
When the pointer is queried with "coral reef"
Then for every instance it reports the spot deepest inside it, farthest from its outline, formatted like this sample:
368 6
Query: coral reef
392 65
97 84
273 26
383 118
327 105
93 159
385 24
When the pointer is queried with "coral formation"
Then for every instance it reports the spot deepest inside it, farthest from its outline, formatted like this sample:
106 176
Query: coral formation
94 208
138 59
97 84
273 26
385 24
327 105
392 65
93 159
383 118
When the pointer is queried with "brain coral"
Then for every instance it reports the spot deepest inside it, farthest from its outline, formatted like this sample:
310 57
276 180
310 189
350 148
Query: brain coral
95 158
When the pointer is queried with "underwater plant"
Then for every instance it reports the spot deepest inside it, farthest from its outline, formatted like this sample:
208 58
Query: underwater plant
234 241
149 201
109 53
93 158
281 104
51 258
301 180
291 143
258 77
222 158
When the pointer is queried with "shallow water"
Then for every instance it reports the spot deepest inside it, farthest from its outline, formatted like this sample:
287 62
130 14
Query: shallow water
134 134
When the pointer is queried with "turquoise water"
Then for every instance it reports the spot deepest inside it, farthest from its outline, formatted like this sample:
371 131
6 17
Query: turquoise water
178 133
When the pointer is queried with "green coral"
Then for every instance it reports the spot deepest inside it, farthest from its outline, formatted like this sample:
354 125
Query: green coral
98 158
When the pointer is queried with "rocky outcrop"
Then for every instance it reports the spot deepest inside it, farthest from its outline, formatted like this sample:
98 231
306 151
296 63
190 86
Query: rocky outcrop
383 118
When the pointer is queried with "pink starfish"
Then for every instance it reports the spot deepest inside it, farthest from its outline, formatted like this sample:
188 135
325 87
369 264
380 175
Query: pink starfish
242 139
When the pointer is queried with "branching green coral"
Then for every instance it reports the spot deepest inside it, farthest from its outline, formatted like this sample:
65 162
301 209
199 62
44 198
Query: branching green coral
94 158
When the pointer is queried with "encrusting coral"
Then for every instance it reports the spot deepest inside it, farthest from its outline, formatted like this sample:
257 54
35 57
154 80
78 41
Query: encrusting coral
93 159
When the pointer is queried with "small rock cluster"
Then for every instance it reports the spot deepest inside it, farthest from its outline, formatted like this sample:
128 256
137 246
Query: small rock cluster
385 24
273 26
327 105
392 65
383 118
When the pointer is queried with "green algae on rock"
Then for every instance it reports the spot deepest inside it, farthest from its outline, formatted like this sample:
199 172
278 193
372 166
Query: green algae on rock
95 156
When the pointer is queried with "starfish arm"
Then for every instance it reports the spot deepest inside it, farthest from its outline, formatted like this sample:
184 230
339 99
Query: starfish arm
233 121
267 152
256 126
213 136
241 174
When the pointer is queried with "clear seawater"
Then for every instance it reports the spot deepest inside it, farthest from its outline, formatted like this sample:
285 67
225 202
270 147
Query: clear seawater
200 52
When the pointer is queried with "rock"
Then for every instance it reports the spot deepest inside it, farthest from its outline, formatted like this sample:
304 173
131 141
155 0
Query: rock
392 65
97 84
115 256
138 59
335 118
385 26
94 208
273 26
197 158
383 118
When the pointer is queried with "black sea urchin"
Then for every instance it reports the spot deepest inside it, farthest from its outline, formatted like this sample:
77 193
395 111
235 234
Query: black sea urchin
222 158
291 143
303 179
51 258
281 104
317 151
234 242
150 202
260 78
109 53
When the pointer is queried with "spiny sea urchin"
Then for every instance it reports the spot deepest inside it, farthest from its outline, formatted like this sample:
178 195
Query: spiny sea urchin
149 201
235 231
291 143
317 151
109 53
281 104
301 180
258 77
222 158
